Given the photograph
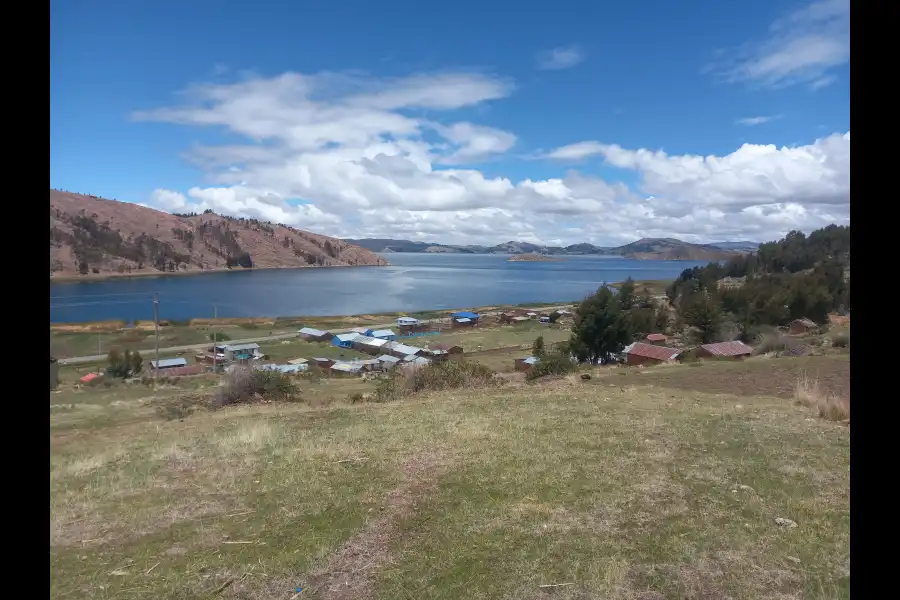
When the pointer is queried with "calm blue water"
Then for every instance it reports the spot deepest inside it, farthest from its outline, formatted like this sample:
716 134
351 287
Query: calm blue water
413 282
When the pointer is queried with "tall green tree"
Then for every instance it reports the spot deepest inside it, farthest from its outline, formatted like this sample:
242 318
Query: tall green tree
600 327
701 310
537 348
627 295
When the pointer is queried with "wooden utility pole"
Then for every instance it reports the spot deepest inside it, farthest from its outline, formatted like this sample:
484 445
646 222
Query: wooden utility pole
215 337
156 324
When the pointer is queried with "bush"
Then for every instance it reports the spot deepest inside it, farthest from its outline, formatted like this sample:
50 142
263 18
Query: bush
172 409
434 377
775 342
219 337
537 348
552 364
840 340
245 384
808 393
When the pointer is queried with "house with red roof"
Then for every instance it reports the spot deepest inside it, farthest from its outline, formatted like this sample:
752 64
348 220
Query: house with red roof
640 353
735 350
657 338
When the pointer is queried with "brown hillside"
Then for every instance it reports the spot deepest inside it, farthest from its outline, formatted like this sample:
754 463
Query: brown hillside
91 235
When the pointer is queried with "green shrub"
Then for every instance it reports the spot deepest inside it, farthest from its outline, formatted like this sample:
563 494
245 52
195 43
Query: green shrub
775 342
552 364
216 337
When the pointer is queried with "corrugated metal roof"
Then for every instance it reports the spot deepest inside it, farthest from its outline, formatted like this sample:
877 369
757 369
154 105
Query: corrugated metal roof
805 321
735 348
464 320
381 333
348 367
311 331
521 319
283 368
388 359
416 360
651 351
237 347
298 361
656 337
404 349
370 341
530 360
169 362
347 337
362 330
465 314
407 321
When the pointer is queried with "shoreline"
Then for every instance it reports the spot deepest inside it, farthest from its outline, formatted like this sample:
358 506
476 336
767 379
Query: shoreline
98 277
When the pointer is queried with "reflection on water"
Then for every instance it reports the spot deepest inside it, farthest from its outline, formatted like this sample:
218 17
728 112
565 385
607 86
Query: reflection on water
413 282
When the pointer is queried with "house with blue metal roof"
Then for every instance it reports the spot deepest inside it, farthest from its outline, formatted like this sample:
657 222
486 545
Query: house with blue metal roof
384 334
344 340
464 318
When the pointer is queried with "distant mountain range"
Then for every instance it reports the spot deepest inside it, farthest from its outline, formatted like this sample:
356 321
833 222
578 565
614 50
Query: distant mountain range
643 249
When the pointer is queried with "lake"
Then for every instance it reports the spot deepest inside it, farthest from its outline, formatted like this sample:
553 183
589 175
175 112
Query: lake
413 282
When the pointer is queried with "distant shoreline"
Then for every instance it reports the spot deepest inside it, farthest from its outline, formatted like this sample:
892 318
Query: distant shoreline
99 277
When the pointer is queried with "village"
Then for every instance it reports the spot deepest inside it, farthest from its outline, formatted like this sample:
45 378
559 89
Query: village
501 340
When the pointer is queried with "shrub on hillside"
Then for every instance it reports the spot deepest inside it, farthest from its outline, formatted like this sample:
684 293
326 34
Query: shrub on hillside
446 375
219 337
122 365
775 342
808 393
551 364
180 407
840 340
245 384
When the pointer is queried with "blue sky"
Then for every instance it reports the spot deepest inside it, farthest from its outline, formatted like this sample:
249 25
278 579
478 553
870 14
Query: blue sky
539 121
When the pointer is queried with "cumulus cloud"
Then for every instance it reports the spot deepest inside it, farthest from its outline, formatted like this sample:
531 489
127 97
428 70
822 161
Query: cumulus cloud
802 47
564 57
347 155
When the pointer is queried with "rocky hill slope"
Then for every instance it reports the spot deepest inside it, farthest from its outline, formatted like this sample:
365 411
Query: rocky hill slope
94 236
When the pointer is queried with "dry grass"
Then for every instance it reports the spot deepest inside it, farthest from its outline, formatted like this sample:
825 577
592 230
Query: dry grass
627 489
808 393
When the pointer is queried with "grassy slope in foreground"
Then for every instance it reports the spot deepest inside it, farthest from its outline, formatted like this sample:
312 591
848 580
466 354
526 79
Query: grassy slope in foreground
626 491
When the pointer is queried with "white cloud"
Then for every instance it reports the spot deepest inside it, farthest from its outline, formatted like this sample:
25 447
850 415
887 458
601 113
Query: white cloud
578 151
564 57
356 157
751 121
802 48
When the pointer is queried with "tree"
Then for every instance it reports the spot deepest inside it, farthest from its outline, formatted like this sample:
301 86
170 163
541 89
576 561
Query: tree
537 349
702 311
600 327
137 363
626 294
122 365
83 267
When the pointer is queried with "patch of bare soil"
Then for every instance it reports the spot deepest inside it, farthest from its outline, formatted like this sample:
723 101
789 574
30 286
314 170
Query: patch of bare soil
347 574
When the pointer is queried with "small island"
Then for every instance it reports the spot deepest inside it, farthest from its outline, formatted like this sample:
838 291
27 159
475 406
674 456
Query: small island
532 257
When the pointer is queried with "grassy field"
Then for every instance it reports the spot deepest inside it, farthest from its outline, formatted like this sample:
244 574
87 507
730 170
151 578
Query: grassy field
635 486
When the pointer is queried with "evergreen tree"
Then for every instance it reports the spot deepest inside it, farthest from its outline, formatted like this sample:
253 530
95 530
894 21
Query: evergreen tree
600 327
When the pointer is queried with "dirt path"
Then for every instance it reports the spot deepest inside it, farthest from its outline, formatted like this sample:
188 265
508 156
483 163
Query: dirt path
348 573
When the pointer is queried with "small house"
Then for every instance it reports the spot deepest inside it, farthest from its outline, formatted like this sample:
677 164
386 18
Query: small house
736 350
657 338
345 368
344 340
234 352
387 361
464 318
286 369
361 331
407 323
384 334
184 370
168 363
523 364
314 335
545 319
801 326
639 353
367 344
531 315
414 362
54 373
445 350
400 350
298 361
321 362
